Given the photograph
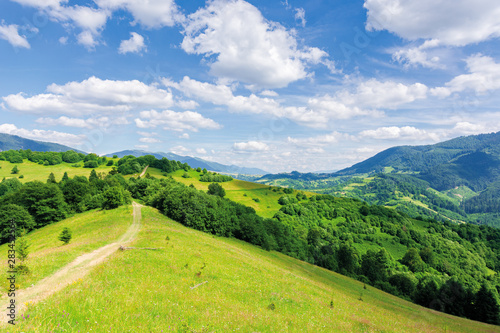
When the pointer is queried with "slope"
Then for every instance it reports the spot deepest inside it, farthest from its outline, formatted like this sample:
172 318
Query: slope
8 141
199 283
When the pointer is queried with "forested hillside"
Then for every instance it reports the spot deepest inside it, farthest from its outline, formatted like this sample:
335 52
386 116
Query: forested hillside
445 266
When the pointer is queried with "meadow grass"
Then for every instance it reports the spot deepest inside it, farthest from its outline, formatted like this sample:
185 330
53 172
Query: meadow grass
34 171
196 282
90 230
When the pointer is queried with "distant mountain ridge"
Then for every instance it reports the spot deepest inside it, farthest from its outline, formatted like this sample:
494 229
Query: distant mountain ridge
9 141
194 162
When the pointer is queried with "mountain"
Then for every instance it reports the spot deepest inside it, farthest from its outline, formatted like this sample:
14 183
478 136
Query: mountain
194 162
8 141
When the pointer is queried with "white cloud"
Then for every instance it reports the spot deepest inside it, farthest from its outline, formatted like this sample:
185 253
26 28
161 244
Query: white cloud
176 121
148 13
179 150
269 93
63 40
91 96
405 133
48 136
414 56
300 15
81 123
250 146
245 46
141 146
149 140
316 150
201 151
184 136
320 140
484 75
451 22
133 45
10 33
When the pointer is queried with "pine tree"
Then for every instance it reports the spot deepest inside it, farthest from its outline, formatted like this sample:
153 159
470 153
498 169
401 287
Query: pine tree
52 179
65 177
93 176
65 235
22 253
15 170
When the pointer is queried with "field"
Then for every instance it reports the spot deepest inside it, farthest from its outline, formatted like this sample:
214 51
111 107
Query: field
196 282
34 171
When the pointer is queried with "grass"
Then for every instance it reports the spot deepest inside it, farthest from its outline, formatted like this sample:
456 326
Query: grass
262 198
34 171
90 230
199 283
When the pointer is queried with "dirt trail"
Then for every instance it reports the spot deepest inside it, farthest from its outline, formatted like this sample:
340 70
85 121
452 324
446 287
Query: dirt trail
144 171
75 270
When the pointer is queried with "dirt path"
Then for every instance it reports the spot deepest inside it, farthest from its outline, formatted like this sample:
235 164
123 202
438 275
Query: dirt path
144 171
75 270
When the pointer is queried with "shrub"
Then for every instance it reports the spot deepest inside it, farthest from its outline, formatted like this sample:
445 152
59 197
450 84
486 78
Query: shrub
65 235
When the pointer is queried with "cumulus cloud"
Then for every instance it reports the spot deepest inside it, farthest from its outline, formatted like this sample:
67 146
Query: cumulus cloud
395 133
250 146
133 45
10 33
82 123
447 21
91 96
43 135
484 76
320 140
415 56
149 140
148 13
201 151
244 46
175 121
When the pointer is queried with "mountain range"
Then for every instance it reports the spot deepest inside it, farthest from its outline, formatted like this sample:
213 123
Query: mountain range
8 142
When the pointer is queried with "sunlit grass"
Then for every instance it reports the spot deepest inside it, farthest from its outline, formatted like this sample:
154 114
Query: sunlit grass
153 291
90 230
34 171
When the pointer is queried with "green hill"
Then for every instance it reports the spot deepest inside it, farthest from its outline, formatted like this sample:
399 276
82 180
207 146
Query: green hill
196 282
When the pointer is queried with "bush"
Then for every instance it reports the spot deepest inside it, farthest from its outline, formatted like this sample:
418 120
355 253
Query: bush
91 164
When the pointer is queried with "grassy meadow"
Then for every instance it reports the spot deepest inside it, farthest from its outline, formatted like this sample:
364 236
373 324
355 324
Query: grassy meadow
196 282
34 171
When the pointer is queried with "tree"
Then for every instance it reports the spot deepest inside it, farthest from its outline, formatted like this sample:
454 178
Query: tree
22 253
113 198
65 177
93 176
20 215
52 179
216 189
15 170
65 235
375 265
45 202
413 261
487 308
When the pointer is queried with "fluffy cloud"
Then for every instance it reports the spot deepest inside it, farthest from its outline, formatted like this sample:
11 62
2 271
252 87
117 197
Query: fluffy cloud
451 22
250 146
176 121
10 33
50 136
405 133
201 151
300 15
245 46
149 140
484 75
148 13
82 123
91 96
320 140
133 45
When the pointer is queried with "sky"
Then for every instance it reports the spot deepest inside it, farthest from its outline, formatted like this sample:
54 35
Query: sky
278 85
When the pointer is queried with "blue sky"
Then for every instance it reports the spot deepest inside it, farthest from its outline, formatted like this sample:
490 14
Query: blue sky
297 85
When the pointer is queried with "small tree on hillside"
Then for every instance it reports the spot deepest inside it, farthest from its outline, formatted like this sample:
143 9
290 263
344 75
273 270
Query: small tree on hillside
22 252
15 170
216 189
65 235
52 179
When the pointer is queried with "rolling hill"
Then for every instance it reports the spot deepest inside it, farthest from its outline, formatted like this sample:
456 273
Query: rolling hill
195 282
194 162
8 141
